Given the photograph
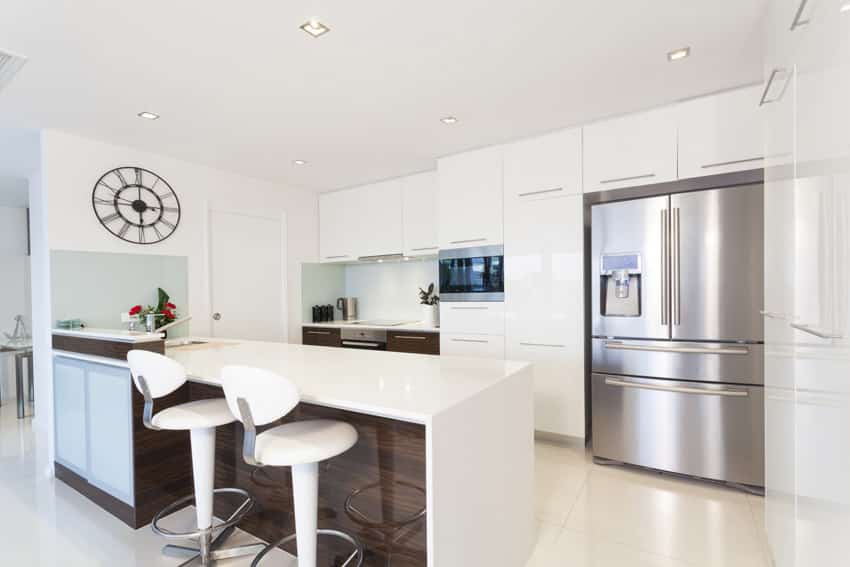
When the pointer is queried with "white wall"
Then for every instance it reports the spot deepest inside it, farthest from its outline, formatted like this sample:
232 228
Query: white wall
14 285
389 290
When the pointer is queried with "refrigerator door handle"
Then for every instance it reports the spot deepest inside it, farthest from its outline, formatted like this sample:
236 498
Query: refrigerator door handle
691 349
675 279
665 267
677 389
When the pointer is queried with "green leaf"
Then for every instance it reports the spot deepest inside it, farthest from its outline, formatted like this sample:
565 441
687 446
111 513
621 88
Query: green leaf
162 299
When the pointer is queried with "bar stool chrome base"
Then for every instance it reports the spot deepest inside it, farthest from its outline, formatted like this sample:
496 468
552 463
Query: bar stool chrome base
358 548
209 549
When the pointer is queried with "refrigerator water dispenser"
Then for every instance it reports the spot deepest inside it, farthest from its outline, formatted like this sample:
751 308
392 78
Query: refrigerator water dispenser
620 285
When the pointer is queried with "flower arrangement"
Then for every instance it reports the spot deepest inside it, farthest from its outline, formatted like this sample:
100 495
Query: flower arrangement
428 297
164 307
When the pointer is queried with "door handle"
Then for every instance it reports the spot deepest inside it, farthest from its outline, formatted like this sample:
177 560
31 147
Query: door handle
675 259
774 315
733 162
424 248
773 74
337 257
678 349
410 337
318 332
815 332
630 178
457 308
798 17
483 341
361 344
467 241
665 268
677 389
549 345
540 192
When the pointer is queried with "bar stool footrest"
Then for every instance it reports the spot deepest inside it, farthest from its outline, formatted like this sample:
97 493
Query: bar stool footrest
236 517
357 553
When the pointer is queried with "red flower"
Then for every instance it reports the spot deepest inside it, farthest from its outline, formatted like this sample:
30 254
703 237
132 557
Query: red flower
168 314
135 310
170 305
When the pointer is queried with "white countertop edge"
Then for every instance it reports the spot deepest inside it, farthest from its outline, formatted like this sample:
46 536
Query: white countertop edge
110 334
418 326
117 362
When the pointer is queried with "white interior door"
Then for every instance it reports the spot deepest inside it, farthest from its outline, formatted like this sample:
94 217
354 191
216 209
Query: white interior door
247 276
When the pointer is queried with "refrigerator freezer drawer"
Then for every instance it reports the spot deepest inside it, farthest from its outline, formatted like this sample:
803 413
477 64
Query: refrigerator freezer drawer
701 362
713 431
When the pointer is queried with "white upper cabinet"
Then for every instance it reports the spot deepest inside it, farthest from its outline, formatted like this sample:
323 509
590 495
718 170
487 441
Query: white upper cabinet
419 214
720 133
336 218
470 199
544 167
637 149
378 215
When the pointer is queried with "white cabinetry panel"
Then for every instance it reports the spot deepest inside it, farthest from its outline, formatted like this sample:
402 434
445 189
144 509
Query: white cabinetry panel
544 306
637 149
337 216
477 317
544 167
720 133
375 229
110 430
419 216
470 199
69 400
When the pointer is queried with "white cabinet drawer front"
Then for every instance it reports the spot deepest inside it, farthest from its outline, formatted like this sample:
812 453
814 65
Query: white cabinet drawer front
638 149
721 133
544 167
479 346
485 318
558 385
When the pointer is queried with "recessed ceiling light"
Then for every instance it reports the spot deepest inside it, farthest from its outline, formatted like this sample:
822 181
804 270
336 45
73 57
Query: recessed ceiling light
448 120
148 115
315 28
677 54
844 7
299 162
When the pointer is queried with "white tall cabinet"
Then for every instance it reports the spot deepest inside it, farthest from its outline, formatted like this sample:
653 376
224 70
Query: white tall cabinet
807 298
544 296
419 214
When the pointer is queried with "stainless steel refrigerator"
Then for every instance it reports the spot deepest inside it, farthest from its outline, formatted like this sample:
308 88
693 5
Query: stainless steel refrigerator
677 372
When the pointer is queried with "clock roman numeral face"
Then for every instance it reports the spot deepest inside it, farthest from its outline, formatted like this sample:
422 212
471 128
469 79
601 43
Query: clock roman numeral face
136 205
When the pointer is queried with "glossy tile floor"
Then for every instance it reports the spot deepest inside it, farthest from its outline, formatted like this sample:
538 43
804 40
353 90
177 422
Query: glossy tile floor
588 516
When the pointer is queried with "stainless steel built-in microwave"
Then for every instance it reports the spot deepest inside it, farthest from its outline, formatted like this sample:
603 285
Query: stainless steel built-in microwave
472 274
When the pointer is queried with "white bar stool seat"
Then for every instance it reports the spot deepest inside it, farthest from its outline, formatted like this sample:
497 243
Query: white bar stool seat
260 397
156 376
194 415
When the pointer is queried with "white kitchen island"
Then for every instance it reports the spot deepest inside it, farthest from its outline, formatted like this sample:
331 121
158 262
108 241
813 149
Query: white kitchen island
478 433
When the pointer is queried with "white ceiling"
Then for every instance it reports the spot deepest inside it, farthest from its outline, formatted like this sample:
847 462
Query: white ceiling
240 87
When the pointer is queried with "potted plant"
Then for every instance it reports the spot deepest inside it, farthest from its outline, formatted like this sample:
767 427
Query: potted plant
429 300
165 311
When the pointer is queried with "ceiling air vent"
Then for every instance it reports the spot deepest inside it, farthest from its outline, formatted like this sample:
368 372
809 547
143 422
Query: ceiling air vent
10 64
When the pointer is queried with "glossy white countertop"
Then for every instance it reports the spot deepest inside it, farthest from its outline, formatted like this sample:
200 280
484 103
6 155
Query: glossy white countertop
121 335
403 386
413 326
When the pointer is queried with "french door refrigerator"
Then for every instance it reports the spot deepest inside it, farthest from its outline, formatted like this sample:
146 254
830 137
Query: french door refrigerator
677 341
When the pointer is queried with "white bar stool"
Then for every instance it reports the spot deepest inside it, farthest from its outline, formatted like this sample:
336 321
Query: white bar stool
156 376
258 397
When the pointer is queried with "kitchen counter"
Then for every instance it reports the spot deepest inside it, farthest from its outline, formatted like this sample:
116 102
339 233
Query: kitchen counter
419 326
120 335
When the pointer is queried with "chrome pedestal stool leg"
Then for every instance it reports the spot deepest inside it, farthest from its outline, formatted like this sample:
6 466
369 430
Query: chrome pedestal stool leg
209 547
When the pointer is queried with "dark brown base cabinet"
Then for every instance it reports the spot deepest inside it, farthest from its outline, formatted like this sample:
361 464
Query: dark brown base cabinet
397 341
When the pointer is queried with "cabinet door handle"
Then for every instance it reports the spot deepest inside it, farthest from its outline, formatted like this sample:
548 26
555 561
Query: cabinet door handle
467 241
484 341
618 179
677 389
540 192
773 74
470 308
819 334
424 248
549 345
678 349
409 337
732 162
318 332
798 17
337 257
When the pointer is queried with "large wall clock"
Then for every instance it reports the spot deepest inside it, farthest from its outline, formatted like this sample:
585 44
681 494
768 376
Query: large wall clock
136 205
